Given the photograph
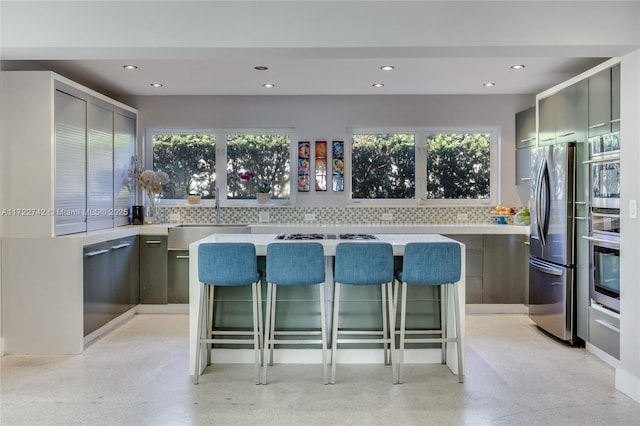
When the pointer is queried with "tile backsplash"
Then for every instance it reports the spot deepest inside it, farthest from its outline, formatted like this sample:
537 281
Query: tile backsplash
327 215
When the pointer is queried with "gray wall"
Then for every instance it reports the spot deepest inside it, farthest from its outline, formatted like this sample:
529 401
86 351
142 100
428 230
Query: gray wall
328 117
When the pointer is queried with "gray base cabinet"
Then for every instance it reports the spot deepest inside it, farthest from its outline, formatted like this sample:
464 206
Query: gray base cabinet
178 279
110 281
153 269
496 268
503 274
604 330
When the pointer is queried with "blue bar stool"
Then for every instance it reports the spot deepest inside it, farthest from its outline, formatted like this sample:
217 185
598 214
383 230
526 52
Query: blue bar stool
431 264
364 263
294 264
227 264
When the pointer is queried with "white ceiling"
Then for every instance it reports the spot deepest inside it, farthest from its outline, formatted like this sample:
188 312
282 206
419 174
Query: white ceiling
315 47
319 76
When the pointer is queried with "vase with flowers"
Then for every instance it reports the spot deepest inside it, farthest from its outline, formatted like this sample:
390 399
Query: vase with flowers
153 183
263 186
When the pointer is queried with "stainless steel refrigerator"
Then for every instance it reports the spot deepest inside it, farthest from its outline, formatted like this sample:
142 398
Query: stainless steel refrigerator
552 244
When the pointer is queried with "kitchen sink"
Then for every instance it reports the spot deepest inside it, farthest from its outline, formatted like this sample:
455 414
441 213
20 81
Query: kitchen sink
181 236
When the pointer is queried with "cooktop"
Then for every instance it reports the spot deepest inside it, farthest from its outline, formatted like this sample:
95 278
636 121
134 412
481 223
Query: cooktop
325 237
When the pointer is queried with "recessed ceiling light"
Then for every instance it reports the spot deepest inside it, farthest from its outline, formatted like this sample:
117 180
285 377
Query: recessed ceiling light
156 84
261 68
378 85
488 84
517 67
269 85
387 67
130 67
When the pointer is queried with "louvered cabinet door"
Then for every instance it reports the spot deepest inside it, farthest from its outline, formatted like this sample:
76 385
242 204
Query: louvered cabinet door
124 148
70 163
100 166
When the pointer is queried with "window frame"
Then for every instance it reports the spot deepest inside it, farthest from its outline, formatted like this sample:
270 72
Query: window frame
221 158
221 152
421 134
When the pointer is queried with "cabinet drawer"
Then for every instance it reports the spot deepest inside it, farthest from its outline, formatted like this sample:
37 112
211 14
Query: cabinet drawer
604 331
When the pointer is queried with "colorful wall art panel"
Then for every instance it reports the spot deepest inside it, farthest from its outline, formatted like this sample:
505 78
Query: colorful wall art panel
304 166
321 165
337 165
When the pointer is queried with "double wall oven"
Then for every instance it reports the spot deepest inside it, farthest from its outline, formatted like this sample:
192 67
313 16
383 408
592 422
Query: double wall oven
604 237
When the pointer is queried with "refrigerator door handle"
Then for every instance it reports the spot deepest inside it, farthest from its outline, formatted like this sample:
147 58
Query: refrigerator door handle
545 268
542 194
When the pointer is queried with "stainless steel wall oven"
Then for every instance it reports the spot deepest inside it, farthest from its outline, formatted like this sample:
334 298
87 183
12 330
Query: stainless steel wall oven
604 239
604 287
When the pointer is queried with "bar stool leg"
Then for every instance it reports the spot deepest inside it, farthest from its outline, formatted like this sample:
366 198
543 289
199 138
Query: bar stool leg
203 304
256 333
274 299
323 332
385 333
403 317
334 333
392 336
268 332
260 325
443 320
456 309
209 316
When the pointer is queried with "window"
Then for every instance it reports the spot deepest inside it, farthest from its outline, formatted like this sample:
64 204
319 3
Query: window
383 166
190 157
422 165
266 156
458 166
190 161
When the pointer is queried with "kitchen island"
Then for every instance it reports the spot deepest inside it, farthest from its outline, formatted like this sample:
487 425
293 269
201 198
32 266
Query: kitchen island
299 356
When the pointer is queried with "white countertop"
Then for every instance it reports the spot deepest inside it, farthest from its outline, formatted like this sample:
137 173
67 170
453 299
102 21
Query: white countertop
261 241
93 237
393 229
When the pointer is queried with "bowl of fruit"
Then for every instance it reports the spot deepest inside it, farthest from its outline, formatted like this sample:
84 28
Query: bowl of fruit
502 215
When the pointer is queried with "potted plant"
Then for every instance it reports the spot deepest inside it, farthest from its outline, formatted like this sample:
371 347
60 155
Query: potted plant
264 191
263 186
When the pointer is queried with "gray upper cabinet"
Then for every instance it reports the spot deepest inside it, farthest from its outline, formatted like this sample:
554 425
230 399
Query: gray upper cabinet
563 115
565 112
526 128
604 92
70 131
525 142
547 120
615 98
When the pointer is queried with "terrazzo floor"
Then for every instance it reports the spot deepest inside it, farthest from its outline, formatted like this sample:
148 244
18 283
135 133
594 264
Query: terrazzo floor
138 375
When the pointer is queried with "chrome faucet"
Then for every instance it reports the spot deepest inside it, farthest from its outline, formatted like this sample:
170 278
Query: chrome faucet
217 195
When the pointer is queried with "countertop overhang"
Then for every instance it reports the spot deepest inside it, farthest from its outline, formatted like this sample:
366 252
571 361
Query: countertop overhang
87 238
